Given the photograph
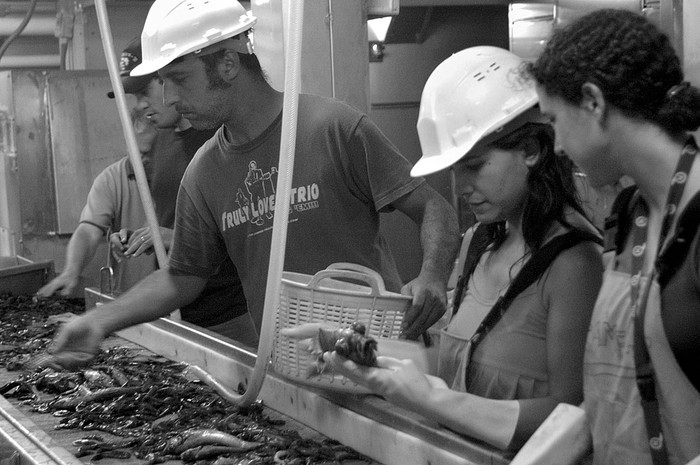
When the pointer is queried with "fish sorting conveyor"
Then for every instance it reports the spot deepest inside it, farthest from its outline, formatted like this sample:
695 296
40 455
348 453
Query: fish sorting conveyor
373 427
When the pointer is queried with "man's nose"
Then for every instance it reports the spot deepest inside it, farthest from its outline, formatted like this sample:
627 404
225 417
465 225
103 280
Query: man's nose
465 186
169 95
141 103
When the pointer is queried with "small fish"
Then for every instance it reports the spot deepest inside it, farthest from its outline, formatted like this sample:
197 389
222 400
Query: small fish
204 437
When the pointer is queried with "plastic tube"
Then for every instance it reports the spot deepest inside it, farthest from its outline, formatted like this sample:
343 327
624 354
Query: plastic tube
130 136
37 26
293 35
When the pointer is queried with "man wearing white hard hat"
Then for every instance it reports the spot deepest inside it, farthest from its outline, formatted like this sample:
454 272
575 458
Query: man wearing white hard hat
114 205
346 172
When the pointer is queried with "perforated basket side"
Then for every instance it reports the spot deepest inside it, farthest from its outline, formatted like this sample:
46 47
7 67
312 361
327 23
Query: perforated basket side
337 306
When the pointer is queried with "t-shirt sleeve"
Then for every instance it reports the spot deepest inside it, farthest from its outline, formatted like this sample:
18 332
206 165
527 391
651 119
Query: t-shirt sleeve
379 173
198 248
103 201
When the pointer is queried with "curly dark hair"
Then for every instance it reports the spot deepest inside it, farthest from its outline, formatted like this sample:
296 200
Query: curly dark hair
629 59
550 182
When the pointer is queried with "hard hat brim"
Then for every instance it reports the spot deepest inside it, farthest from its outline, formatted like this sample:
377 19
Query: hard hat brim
151 67
431 165
435 163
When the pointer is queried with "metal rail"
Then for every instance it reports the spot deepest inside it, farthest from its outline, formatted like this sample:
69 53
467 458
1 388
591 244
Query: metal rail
368 424
27 443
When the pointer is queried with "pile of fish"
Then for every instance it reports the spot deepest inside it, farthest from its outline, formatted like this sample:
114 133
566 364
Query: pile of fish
28 323
136 404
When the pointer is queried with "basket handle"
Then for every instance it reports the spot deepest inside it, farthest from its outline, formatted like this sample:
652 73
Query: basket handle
376 286
360 269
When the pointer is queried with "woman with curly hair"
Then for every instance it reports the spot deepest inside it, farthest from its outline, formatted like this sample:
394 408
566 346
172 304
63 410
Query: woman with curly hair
613 88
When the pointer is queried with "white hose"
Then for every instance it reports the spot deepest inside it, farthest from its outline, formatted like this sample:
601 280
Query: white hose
129 135
293 43
292 51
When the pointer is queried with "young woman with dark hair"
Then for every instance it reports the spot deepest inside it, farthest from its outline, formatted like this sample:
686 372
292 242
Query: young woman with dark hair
613 88
513 349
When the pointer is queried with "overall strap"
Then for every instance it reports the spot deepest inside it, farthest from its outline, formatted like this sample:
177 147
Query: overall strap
645 375
618 223
477 246
530 272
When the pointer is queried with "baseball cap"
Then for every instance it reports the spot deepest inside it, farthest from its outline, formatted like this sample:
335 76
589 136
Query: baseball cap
130 59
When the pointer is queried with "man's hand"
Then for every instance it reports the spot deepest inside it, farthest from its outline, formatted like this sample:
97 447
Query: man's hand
63 284
428 306
126 244
119 243
76 342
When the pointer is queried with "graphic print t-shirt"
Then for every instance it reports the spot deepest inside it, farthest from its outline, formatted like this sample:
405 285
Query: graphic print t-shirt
345 172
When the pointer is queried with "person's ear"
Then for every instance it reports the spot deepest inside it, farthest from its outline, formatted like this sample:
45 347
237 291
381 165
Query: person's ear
532 151
592 99
230 65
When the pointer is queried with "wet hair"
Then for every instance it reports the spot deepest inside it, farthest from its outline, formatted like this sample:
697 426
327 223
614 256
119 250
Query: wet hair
550 183
210 66
629 59
249 61
211 60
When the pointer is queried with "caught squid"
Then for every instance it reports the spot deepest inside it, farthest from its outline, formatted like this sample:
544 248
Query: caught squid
351 343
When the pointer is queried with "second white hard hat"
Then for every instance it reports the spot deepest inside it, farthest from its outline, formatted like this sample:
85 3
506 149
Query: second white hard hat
470 95
174 28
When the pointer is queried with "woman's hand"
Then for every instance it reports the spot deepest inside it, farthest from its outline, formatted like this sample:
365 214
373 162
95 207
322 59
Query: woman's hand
398 381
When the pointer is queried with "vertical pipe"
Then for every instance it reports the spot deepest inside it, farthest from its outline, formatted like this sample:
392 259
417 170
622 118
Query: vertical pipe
293 27
293 35
690 12
332 51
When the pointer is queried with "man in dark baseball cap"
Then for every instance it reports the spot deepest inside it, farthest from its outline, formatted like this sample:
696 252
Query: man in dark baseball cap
130 59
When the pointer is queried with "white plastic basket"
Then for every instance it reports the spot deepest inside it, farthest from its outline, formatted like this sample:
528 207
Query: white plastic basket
328 297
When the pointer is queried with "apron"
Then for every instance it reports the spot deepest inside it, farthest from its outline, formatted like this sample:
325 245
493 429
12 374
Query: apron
612 400
456 348
611 394
453 359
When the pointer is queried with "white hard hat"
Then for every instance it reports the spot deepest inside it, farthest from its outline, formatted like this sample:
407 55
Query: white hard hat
175 28
470 95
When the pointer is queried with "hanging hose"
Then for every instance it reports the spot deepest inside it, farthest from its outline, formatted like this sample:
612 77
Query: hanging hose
127 126
20 28
293 33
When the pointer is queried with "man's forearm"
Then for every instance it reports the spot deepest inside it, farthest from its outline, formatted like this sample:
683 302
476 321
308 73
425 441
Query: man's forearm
81 249
157 295
439 236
